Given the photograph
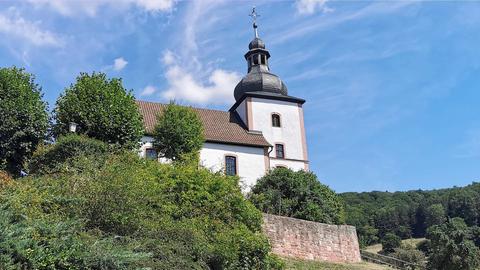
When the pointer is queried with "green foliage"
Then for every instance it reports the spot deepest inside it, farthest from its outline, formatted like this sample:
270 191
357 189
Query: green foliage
451 247
130 213
424 246
390 242
367 235
63 153
102 108
24 118
297 194
435 215
410 255
178 133
410 213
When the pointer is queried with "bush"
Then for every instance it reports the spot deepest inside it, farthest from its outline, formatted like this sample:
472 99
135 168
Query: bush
297 194
102 109
24 118
410 255
61 155
141 214
390 242
424 246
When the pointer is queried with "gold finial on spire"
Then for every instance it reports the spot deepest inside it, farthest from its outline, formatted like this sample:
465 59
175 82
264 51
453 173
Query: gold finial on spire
254 16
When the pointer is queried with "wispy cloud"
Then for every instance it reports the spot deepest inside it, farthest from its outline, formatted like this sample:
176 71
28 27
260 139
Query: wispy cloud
307 7
119 64
315 25
13 25
90 8
148 91
182 85
190 79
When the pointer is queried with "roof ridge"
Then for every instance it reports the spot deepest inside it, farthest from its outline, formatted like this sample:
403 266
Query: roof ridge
196 108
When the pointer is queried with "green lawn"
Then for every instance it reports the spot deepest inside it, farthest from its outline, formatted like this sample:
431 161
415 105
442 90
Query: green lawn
311 265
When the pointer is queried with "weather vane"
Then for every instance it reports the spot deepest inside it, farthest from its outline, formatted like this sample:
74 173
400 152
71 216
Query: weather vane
254 16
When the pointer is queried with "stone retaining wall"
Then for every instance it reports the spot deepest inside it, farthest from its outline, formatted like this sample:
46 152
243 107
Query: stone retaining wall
309 240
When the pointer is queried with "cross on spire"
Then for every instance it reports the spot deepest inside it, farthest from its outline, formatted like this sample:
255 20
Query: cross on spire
254 16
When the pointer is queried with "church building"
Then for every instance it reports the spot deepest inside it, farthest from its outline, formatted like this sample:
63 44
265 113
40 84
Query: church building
262 130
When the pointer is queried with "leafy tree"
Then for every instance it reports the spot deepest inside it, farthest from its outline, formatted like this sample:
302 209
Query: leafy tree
435 215
297 194
178 133
451 247
390 242
367 235
24 118
102 108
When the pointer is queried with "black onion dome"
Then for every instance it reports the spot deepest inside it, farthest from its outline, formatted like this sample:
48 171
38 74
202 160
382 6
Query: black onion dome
256 43
259 80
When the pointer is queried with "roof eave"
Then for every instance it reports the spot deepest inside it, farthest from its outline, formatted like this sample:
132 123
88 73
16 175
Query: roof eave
266 96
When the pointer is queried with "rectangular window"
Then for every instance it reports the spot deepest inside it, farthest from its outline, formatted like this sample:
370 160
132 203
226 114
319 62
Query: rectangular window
279 151
230 165
150 153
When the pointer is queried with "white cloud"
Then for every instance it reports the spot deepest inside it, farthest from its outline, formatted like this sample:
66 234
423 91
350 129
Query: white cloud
184 86
119 64
307 7
189 78
148 90
18 27
90 7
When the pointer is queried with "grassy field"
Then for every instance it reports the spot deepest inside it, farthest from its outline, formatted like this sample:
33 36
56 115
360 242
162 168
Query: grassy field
411 242
311 265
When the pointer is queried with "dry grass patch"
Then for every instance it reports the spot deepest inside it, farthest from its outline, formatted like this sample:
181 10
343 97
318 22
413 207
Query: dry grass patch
294 264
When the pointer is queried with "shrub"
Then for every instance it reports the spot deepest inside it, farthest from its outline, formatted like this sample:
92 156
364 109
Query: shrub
297 194
24 118
451 247
178 133
102 109
390 242
424 246
410 255
60 155
130 213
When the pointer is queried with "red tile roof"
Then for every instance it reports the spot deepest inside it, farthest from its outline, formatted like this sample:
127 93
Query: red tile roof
219 126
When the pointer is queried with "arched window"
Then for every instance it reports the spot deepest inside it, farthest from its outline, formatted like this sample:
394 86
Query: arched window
275 120
230 165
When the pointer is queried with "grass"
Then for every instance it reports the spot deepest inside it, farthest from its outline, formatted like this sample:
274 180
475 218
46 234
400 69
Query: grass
294 264
407 242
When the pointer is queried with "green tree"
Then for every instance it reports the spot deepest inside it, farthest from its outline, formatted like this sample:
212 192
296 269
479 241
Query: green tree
297 194
435 215
178 134
390 242
24 118
102 108
451 247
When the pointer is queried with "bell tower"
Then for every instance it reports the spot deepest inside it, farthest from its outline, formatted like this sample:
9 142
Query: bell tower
263 104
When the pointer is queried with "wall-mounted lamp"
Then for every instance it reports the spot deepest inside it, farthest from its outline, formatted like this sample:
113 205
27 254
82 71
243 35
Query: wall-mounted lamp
73 127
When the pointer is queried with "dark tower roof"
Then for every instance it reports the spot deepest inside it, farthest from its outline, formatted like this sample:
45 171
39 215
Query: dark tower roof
259 80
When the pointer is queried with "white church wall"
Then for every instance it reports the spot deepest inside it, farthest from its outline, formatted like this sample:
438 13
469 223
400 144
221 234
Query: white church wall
291 131
292 164
250 161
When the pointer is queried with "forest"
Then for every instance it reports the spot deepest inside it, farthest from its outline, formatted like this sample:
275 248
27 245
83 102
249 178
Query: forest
409 214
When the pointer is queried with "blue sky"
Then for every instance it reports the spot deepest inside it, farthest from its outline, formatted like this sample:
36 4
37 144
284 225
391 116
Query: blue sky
392 87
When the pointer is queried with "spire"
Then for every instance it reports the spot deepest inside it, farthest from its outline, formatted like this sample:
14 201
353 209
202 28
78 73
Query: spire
254 16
